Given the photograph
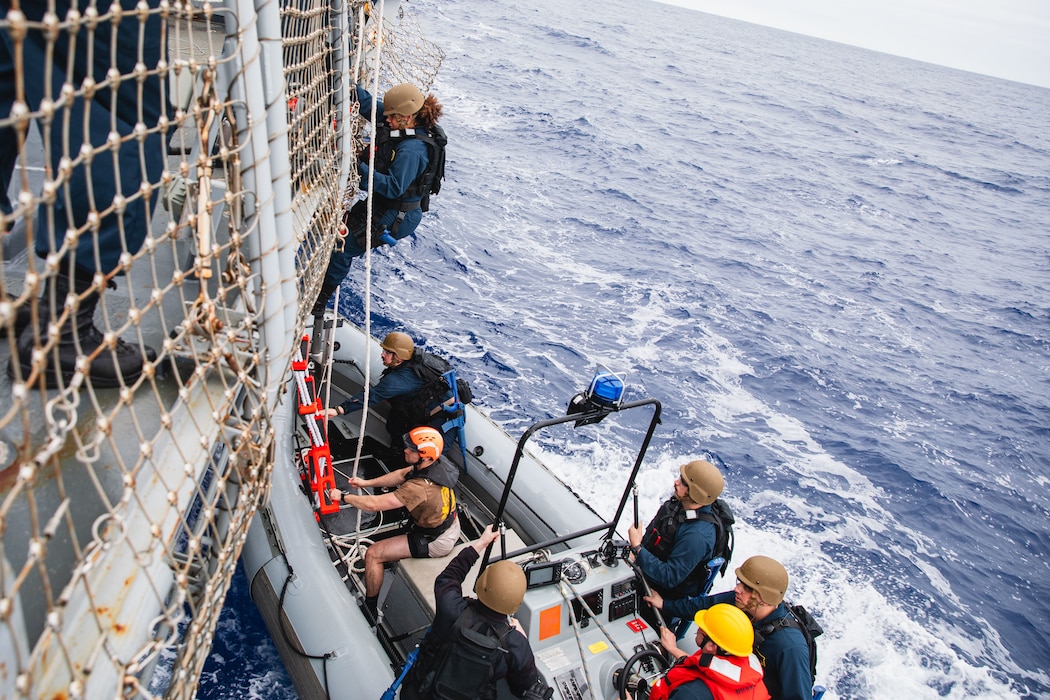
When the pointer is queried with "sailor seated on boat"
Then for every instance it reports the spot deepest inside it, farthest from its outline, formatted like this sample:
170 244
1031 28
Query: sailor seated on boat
425 488
722 667
677 544
398 385
483 624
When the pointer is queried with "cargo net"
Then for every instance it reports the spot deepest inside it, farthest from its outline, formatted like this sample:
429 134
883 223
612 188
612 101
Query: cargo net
177 181
388 48
407 56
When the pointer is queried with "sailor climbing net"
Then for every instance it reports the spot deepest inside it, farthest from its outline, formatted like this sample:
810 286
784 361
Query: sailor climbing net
123 509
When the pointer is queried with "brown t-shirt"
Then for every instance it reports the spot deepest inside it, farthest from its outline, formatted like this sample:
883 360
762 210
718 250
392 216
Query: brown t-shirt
428 504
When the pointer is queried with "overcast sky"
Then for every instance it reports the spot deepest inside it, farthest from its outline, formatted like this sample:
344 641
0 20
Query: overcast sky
1005 38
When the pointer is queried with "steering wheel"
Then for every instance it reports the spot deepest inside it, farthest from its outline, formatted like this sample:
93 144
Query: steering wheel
626 679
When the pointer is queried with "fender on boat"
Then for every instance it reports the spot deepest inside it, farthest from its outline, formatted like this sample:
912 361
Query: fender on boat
318 616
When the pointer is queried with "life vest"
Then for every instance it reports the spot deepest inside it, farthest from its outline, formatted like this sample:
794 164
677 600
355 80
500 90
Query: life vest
444 474
659 540
727 677
799 618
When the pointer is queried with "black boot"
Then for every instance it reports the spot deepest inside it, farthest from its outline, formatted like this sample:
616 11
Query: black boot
77 338
372 609
327 290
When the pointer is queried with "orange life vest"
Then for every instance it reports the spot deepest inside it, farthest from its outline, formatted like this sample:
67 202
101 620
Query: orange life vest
728 677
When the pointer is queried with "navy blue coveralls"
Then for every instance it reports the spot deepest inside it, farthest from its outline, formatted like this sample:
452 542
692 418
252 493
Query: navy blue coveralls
116 233
409 162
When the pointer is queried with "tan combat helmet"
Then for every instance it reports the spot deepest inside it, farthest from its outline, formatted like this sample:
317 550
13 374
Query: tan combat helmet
703 480
400 344
765 575
404 100
501 587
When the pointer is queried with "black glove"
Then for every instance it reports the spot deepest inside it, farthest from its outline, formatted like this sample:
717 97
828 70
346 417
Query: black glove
539 691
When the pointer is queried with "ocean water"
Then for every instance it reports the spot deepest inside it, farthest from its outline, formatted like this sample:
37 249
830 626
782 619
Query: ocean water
832 267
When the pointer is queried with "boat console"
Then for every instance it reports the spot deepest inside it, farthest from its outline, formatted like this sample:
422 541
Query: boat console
581 616
581 606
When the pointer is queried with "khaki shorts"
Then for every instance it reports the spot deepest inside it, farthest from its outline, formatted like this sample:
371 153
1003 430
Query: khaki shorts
440 546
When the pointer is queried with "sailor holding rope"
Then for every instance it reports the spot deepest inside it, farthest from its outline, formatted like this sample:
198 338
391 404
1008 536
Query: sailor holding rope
426 489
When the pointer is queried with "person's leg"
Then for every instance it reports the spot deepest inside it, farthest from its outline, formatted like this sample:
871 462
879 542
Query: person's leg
99 213
338 266
8 136
383 551
443 545
112 365
95 187
396 427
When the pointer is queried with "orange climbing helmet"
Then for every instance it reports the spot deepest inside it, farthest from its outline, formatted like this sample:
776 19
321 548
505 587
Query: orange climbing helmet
426 441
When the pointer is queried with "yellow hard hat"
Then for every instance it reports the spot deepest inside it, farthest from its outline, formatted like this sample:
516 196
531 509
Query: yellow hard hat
728 627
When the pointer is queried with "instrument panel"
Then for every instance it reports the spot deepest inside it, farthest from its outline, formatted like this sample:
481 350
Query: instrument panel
576 611
593 582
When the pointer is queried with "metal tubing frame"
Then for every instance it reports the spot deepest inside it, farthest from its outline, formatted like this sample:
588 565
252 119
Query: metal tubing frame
593 415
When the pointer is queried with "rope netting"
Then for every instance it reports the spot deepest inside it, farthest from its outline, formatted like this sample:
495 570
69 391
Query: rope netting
177 179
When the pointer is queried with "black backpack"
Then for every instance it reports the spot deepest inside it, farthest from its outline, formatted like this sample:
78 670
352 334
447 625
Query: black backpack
800 619
431 369
462 667
430 181
721 516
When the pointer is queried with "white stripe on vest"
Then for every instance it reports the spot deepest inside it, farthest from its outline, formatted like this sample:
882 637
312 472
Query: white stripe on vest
726 668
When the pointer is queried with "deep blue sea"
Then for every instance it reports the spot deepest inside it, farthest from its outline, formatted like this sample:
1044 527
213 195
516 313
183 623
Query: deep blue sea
832 266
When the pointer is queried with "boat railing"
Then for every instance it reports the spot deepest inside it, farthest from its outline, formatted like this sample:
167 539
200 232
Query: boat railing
589 412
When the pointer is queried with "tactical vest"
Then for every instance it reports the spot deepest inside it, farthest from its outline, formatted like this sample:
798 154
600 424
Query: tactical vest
387 142
461 667
659 540
799 618
445 474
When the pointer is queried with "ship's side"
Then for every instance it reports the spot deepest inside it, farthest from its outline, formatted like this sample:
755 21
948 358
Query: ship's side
124 505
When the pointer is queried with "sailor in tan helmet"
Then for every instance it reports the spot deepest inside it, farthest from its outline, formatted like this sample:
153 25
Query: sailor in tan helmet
673 551
500 589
